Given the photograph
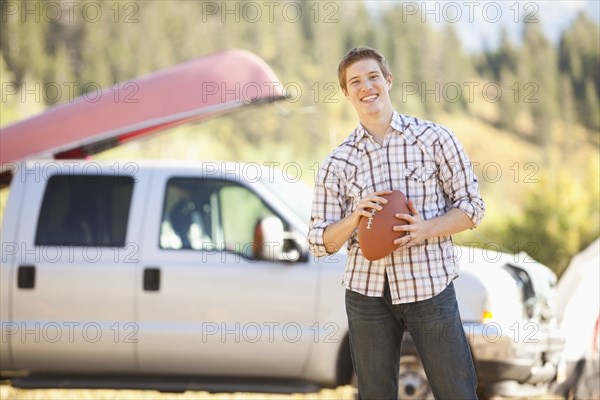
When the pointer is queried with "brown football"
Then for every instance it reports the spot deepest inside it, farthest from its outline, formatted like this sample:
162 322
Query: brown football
376 234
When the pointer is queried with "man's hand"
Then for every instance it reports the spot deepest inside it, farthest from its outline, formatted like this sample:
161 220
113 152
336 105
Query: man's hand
417 229
336 234
370 201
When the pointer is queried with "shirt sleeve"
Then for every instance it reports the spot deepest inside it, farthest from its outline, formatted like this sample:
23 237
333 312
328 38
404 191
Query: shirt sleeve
458 179
328 206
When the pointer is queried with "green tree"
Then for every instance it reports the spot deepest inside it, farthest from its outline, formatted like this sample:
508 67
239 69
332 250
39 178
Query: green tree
568 115
579 58
538 82
454 70
362 32
509 108
591 107
395 43
505 58
23 43
560 218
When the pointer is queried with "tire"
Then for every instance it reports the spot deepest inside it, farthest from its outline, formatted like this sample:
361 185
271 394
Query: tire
412 381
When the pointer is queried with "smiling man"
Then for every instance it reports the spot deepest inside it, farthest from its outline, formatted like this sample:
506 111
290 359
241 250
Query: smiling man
411 288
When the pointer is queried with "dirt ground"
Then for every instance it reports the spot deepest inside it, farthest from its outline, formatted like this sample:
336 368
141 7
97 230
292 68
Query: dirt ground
8 392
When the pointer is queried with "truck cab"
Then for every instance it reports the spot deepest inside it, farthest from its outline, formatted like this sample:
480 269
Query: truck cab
170 269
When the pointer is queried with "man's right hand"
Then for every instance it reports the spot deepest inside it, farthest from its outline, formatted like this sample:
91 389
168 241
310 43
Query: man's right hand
336 234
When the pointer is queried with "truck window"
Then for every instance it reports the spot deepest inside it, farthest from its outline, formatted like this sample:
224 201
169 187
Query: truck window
241 211
188 218
201 214
84 210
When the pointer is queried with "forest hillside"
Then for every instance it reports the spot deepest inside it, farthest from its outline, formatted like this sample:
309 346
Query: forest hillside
527 111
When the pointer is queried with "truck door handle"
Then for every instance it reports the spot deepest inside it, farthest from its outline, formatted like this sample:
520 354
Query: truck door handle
26 277
151 279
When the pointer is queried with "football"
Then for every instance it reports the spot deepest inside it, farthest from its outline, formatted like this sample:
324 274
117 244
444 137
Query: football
376 234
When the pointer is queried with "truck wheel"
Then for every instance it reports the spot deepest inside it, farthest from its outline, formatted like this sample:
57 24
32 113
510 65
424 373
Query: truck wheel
412 381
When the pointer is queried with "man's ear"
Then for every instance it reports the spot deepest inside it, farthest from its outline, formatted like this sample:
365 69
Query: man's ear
389 81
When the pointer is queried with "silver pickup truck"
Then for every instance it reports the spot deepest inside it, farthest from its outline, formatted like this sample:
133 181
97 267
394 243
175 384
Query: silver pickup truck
124 269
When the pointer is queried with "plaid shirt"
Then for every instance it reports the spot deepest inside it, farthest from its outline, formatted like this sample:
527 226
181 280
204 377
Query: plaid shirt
426 162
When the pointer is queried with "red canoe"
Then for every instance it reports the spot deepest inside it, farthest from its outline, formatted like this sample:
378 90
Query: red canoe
192 91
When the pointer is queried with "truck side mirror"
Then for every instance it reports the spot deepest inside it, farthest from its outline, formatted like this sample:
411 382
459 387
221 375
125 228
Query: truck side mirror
268 239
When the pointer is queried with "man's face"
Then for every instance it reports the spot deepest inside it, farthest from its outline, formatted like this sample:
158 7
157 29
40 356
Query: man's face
367 88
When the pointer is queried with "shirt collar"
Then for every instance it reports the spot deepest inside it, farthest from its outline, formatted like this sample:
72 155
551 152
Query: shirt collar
400 123
360 132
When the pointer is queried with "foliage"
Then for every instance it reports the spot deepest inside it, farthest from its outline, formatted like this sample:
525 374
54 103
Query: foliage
548 110
561 216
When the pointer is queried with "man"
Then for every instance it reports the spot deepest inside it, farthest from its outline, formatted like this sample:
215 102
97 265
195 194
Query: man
412 287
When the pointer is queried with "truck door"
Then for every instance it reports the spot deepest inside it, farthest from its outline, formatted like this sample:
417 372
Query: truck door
73 273
209 304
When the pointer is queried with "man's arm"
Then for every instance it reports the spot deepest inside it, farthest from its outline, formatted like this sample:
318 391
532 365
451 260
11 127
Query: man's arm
453 221
419 230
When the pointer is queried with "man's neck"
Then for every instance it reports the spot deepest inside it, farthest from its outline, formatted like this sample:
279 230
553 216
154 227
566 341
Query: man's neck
377 125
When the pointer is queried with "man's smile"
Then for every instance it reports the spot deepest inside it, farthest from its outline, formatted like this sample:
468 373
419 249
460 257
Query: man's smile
370 98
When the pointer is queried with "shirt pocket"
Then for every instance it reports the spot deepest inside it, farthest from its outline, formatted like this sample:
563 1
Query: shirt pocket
420 174
422 187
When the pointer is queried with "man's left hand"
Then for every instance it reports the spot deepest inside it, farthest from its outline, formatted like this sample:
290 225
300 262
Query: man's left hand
416 229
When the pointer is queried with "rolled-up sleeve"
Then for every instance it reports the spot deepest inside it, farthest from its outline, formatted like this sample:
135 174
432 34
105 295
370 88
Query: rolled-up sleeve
459 181
328 206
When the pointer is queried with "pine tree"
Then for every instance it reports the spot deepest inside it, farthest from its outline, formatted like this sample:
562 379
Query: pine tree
537 86
579 58
456 69
509 107
592 107
23 44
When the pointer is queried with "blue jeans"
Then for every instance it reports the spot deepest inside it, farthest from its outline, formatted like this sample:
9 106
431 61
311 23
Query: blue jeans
376 328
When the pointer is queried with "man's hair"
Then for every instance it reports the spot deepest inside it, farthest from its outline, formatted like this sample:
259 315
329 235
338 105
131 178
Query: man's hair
357 54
